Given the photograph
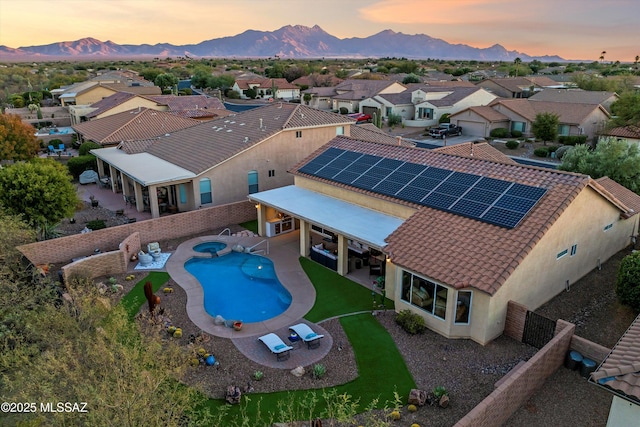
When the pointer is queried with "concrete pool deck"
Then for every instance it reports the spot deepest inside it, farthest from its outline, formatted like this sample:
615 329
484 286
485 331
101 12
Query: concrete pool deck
284 252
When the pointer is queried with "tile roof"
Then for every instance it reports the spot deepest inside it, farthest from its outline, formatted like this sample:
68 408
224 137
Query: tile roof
631 132
203 146
454 95
512 84
369 132
482 150
139 123
573 96
568 113
357 89
488 113
436 243
620 371
627 198
265 82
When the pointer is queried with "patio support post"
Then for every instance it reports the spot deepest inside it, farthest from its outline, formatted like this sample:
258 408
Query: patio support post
153 202
343 255
305 238
137 191
262 219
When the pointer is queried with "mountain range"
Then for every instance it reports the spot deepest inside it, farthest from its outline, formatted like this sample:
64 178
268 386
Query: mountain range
291 42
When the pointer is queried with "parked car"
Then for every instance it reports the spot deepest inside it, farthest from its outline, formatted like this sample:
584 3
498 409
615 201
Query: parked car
445 129
361 117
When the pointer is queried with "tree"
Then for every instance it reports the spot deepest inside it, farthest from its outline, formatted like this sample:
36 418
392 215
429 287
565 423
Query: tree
604 52
39 190
166 81
545 127
517 61
411 78
17 139
626 110
628 281
619 160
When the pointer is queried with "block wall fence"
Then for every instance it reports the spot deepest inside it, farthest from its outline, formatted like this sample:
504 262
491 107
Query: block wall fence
62 250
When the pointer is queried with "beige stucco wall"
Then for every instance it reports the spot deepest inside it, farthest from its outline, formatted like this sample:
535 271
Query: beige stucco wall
130 105
360 199
229 180
95 94
541 276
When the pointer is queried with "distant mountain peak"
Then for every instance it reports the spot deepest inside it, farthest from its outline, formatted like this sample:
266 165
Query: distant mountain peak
289 41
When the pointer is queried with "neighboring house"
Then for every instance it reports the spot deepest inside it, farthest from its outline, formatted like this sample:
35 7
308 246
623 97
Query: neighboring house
219 161
350 93
89 92
317 80
265 88
458 236
423 105
199 107
132 125
619 374
630 134
516 87
577 96
519 115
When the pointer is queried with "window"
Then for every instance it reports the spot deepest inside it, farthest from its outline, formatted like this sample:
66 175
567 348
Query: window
425 113
389 111
463 307
563 130
298 134
183 193
562 254
574 249
425 294
206 196
272 173
340 130
253 181
608 227
518 126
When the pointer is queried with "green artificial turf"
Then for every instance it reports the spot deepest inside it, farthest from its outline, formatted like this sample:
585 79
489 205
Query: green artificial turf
135 298
250 225
336 295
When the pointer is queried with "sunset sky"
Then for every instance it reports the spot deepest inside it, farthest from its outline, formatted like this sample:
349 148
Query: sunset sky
572 29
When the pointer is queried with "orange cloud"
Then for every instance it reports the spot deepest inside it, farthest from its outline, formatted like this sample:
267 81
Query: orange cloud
431 12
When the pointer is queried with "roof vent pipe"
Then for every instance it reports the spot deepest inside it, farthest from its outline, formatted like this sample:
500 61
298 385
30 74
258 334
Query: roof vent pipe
260 123
399 138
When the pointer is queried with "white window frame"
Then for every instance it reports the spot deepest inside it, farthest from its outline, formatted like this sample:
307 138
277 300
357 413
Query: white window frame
298 134
574 249
210 192
455 314
608 227
562 254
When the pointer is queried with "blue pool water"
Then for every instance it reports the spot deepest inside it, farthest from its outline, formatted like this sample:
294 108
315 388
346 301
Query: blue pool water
240 286
211 247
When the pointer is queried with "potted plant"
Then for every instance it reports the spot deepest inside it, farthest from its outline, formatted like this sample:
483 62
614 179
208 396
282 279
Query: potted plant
237 325
94 202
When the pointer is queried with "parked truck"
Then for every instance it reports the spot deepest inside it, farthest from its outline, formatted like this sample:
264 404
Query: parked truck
445 129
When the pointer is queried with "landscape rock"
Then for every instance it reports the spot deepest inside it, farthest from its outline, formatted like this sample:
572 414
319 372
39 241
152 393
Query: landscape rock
417 397
298 372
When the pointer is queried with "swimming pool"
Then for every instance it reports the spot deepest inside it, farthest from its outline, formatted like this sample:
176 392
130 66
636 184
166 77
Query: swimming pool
240 286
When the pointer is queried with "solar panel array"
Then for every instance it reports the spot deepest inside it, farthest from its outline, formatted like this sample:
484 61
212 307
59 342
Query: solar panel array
491 200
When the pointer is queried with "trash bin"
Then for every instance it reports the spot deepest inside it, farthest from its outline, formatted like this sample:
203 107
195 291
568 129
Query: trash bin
358 263
573 360
586 367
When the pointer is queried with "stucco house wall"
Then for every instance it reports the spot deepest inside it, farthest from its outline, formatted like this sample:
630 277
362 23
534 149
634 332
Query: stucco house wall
131 104
94 94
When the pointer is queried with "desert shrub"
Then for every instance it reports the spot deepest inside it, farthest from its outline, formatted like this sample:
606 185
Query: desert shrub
343 110
232 94
77 165
628 281
516 133
572 139
318 371
499 133
444 118
96 224
86 147
512 144
55 142
440 391
541 152
561 151
394 119
411 322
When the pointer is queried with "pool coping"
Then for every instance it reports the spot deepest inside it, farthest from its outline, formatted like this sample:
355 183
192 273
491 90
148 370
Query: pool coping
288 270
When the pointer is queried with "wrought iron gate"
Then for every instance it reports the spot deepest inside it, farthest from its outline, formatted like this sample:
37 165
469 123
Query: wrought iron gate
538 330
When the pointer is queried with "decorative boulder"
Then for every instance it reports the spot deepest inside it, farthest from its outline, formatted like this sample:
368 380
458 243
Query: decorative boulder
417 397
444 401
233 394
219 320
298 372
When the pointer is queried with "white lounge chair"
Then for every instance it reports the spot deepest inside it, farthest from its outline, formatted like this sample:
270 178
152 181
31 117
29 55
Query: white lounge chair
154 250
276 345
307 335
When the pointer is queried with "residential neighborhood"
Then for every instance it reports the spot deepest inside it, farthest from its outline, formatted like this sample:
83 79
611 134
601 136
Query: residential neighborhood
469 234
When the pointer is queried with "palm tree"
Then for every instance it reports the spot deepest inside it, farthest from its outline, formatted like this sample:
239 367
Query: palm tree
517 61
604 52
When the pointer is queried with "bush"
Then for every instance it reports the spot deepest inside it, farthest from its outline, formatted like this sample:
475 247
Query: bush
516 133
553 148
445 118
86 147
77 165
411 322
541 152
394 119
512 144
96 224
628 281
562 150
572 140
440 391
343 110
318 371
499 133
232 94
